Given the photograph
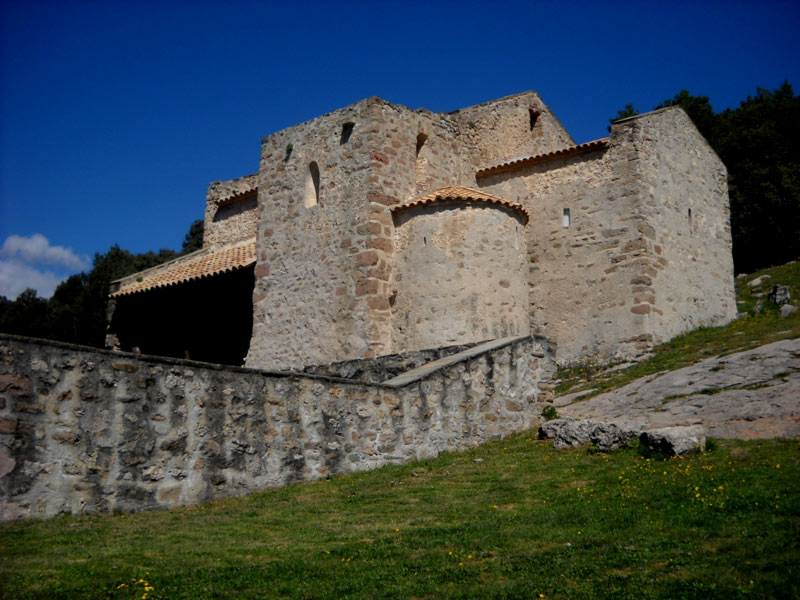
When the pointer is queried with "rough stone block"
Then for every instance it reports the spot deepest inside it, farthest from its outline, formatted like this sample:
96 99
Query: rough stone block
571 433
8 424
675 440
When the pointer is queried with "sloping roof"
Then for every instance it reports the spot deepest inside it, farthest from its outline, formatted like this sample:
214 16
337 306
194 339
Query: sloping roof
459 192
540 158
240 195
197 265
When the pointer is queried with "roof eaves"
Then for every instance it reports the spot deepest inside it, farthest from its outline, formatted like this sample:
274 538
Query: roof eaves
198 265
456 192
237 197
542 158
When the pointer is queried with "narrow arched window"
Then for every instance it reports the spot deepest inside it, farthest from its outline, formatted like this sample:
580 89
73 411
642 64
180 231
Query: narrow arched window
421 138
311 195
533 116
421 171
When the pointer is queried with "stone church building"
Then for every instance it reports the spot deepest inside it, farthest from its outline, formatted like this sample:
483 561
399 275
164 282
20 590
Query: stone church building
376 229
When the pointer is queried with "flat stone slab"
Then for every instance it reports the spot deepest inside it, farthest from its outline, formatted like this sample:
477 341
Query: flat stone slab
420 372
753 394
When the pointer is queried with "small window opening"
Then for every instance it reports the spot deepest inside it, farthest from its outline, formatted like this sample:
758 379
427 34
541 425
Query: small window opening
311 197
565 218
347 130
421 139
533 114
690 219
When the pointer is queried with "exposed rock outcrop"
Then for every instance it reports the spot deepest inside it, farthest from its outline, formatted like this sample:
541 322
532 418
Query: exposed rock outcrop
748 395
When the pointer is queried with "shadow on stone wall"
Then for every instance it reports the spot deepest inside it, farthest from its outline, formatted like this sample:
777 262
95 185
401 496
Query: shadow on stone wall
85 430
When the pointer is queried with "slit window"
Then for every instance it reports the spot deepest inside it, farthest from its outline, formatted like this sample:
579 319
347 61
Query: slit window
533 115
347 131
565 218
421 138
311 197
690 219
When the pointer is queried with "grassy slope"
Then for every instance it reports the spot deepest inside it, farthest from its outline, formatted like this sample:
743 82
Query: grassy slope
747 332
512 519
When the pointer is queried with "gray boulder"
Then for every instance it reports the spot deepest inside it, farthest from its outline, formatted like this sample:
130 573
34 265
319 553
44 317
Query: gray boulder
780 295
571 433
788 309
675 440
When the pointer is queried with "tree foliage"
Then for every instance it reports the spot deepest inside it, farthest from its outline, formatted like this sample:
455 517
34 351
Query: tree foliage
194 239
76 312
759 142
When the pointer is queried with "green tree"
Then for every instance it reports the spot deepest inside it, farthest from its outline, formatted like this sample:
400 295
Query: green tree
64 309
76 312
194 239
27 315
759 142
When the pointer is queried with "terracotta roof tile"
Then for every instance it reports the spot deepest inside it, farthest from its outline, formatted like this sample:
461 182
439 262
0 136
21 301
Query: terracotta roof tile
458 192
198 265
540 158
235 197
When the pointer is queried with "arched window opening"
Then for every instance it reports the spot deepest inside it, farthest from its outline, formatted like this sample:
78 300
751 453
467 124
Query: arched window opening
533 116
421 174
311 197
421 138
565 218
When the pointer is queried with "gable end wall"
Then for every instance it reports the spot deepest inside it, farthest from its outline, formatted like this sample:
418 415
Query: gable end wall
686 207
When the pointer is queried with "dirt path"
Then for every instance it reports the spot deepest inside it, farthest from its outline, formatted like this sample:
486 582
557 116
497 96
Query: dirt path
748 395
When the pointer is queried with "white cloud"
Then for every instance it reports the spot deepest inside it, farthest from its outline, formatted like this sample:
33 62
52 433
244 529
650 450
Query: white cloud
16 277
31 262
36 250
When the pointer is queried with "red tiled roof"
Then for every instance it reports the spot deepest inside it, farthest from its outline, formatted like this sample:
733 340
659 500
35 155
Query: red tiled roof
459 192
198 265
540 158
235 197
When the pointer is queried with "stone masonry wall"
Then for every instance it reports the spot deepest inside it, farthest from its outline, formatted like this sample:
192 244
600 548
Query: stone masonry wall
325 276
84 431
500 130
458 270
378 370
579 274
232 222
627 272
686 204
313 262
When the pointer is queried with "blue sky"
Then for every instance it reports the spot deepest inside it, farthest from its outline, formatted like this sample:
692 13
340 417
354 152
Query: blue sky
115 116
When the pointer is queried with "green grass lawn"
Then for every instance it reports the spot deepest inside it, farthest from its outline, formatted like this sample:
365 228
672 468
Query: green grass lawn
511 519
751 330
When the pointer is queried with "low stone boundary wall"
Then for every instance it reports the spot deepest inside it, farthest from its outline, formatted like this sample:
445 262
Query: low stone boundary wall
381 368
85 430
